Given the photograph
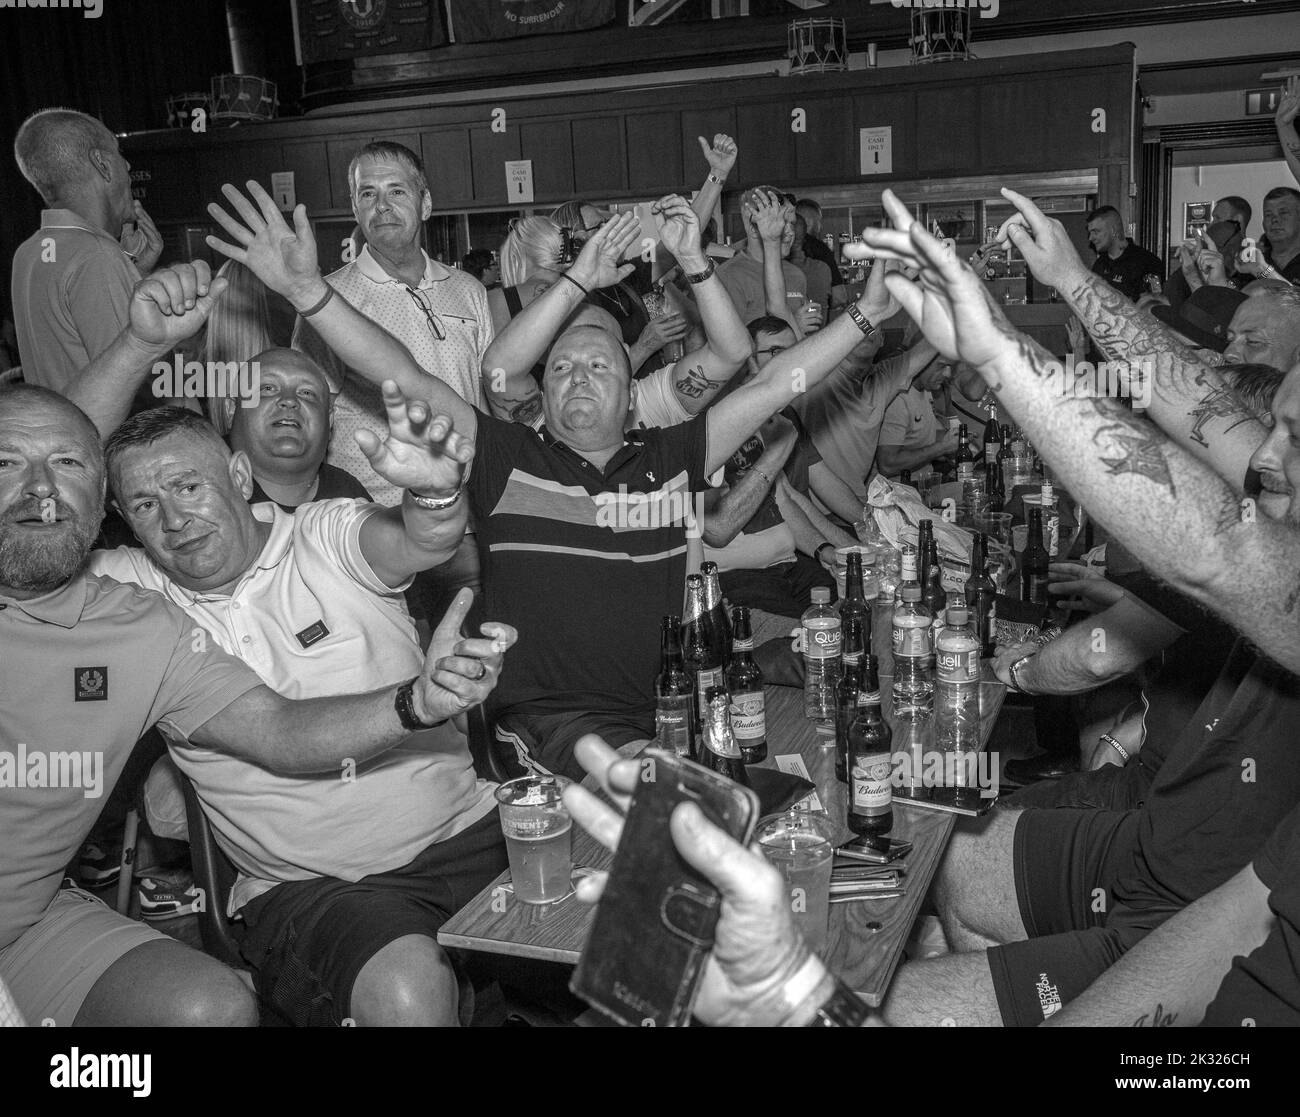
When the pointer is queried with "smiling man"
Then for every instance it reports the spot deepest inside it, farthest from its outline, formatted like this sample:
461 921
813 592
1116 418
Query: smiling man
287 434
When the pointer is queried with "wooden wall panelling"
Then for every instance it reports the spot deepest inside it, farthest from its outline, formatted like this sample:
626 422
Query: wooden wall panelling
897 109
549 144
311 180
766 144
947 131
447 165
654 152
599 156
706 122
489 152
827 152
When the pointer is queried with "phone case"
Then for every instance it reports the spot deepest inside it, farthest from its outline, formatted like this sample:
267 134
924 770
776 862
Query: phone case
654 926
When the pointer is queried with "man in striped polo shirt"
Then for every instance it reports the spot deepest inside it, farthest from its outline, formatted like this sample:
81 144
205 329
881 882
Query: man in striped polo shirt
582 524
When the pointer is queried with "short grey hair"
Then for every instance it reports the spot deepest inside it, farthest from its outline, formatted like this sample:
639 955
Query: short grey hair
53 149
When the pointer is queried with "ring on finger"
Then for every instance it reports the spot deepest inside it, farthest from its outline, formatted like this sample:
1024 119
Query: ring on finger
482 671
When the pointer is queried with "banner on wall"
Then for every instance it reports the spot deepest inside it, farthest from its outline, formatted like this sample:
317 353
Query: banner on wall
479 21
330 30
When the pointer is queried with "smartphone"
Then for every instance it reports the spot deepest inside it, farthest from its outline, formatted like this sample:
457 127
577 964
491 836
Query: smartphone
654 925
878 851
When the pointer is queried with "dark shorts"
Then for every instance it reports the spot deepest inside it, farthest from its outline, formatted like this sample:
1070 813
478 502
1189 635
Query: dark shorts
532 743
1110 788
785 589
1066 865
308 940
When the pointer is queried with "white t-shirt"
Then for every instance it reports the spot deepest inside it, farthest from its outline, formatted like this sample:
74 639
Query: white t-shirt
657 404
313 620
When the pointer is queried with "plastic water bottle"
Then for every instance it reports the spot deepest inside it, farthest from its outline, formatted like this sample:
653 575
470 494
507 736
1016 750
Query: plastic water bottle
913 656
821 656
957 700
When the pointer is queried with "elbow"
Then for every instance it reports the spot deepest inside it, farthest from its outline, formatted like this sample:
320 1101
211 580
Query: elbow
718 535
889 461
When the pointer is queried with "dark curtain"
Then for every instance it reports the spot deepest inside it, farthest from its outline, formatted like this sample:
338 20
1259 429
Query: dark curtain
121 67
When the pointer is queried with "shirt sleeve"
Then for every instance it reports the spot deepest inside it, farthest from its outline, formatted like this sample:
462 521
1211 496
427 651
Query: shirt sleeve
200 680
1280 852
333 527
735 283
894 428
98 295
494 458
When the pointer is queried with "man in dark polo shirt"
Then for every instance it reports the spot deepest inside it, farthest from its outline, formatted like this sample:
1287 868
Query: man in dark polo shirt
101 663
1122 263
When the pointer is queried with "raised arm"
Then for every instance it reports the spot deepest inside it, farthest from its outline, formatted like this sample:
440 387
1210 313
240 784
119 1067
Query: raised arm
698 376
788 375
528 336
727 511
1285 122
317 735
769 220
1172 975
166 308
810 527
721 157
285 260
1177 517
1188 400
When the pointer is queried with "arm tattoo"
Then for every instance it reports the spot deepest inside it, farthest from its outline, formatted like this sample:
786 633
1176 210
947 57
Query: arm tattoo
522 410
1132 446
1161 1019
1220 402
695 383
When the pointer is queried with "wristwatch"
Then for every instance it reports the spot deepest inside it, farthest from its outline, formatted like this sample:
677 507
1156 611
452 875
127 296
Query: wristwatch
844 1010
700 276
860 320
435 503
404 704
714 178
1014 670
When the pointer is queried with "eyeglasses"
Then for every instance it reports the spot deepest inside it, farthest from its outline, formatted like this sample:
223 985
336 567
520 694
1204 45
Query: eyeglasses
435 327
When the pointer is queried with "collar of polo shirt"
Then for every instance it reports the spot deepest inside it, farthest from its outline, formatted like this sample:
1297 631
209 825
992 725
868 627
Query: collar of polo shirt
66 219
62 607
373 270
272 554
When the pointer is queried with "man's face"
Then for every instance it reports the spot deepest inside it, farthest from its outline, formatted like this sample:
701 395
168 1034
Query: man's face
388 204
1101 234
1282 220
1278 458
291 423
587 392
45 454
767 346
119 189
1262 331
811 218
187 503
1224 211
935 376
788 233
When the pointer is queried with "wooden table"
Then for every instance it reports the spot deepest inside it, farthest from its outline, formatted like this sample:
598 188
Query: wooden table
866 938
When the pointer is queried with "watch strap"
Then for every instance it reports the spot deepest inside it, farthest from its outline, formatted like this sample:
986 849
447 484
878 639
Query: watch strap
860 320
435 503
404 704
1015 674
701 276
844 1009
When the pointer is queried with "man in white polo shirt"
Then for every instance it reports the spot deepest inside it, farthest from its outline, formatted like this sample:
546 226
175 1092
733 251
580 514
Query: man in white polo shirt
440 314
344 879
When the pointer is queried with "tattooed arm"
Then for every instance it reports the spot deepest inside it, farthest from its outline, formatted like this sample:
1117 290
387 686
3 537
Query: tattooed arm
1188 400
1171 976
1181 521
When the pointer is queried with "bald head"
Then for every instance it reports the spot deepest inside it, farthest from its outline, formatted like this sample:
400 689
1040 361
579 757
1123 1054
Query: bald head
25 402
53 150
591 323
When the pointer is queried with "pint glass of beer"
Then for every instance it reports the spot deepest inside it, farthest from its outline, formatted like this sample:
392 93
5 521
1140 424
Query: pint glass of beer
537 829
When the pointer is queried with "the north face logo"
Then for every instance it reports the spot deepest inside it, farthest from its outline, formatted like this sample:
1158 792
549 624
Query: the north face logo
90 684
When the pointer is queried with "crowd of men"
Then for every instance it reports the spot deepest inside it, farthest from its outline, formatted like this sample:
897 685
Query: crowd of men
433 497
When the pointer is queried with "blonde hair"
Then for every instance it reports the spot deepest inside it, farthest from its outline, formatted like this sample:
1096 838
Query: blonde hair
238 328
533 243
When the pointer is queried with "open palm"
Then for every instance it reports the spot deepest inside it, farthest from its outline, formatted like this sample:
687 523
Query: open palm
281 257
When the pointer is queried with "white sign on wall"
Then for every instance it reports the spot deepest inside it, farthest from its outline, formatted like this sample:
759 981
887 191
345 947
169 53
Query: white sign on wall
282 189
876 150
519 180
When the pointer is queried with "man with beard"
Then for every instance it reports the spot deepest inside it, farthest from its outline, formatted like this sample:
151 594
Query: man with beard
102 662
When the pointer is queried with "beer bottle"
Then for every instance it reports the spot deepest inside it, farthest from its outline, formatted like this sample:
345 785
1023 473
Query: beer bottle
674 695
931 574
965 456
851 682
745 684
981 596
720 751
871 765
854 603
992 438
699 647
716 610
905 477
1033 571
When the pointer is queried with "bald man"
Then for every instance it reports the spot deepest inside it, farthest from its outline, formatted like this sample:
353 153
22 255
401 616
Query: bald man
73 277
286 433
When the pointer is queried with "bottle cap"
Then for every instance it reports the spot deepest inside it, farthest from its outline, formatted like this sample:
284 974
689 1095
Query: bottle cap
910 593
672 622
694 580
958 617
821 595
714 693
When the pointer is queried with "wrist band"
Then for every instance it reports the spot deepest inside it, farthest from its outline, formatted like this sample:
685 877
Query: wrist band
585 293
435 503
860 320
843 1009
329 294
715 178
404 704
701 276
1123 752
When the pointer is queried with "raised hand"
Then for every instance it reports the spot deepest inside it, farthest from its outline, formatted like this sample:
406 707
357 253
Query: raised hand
282 258
1046 245
660 331
173 303
876 303
947 300
1076 335
422 451
460 672
769 217
721 156
680 228
598 263
756 947
143 243
1289 104
1209 262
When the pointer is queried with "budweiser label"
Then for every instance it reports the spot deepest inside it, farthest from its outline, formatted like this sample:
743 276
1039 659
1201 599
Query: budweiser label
871 785
748 718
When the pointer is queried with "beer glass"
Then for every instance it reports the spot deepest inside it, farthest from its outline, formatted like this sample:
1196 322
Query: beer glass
538 832
799 844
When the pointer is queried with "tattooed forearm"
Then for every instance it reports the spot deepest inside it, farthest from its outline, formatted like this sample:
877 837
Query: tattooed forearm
695 383
1132 445
1161 1019
520 410
1219 402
